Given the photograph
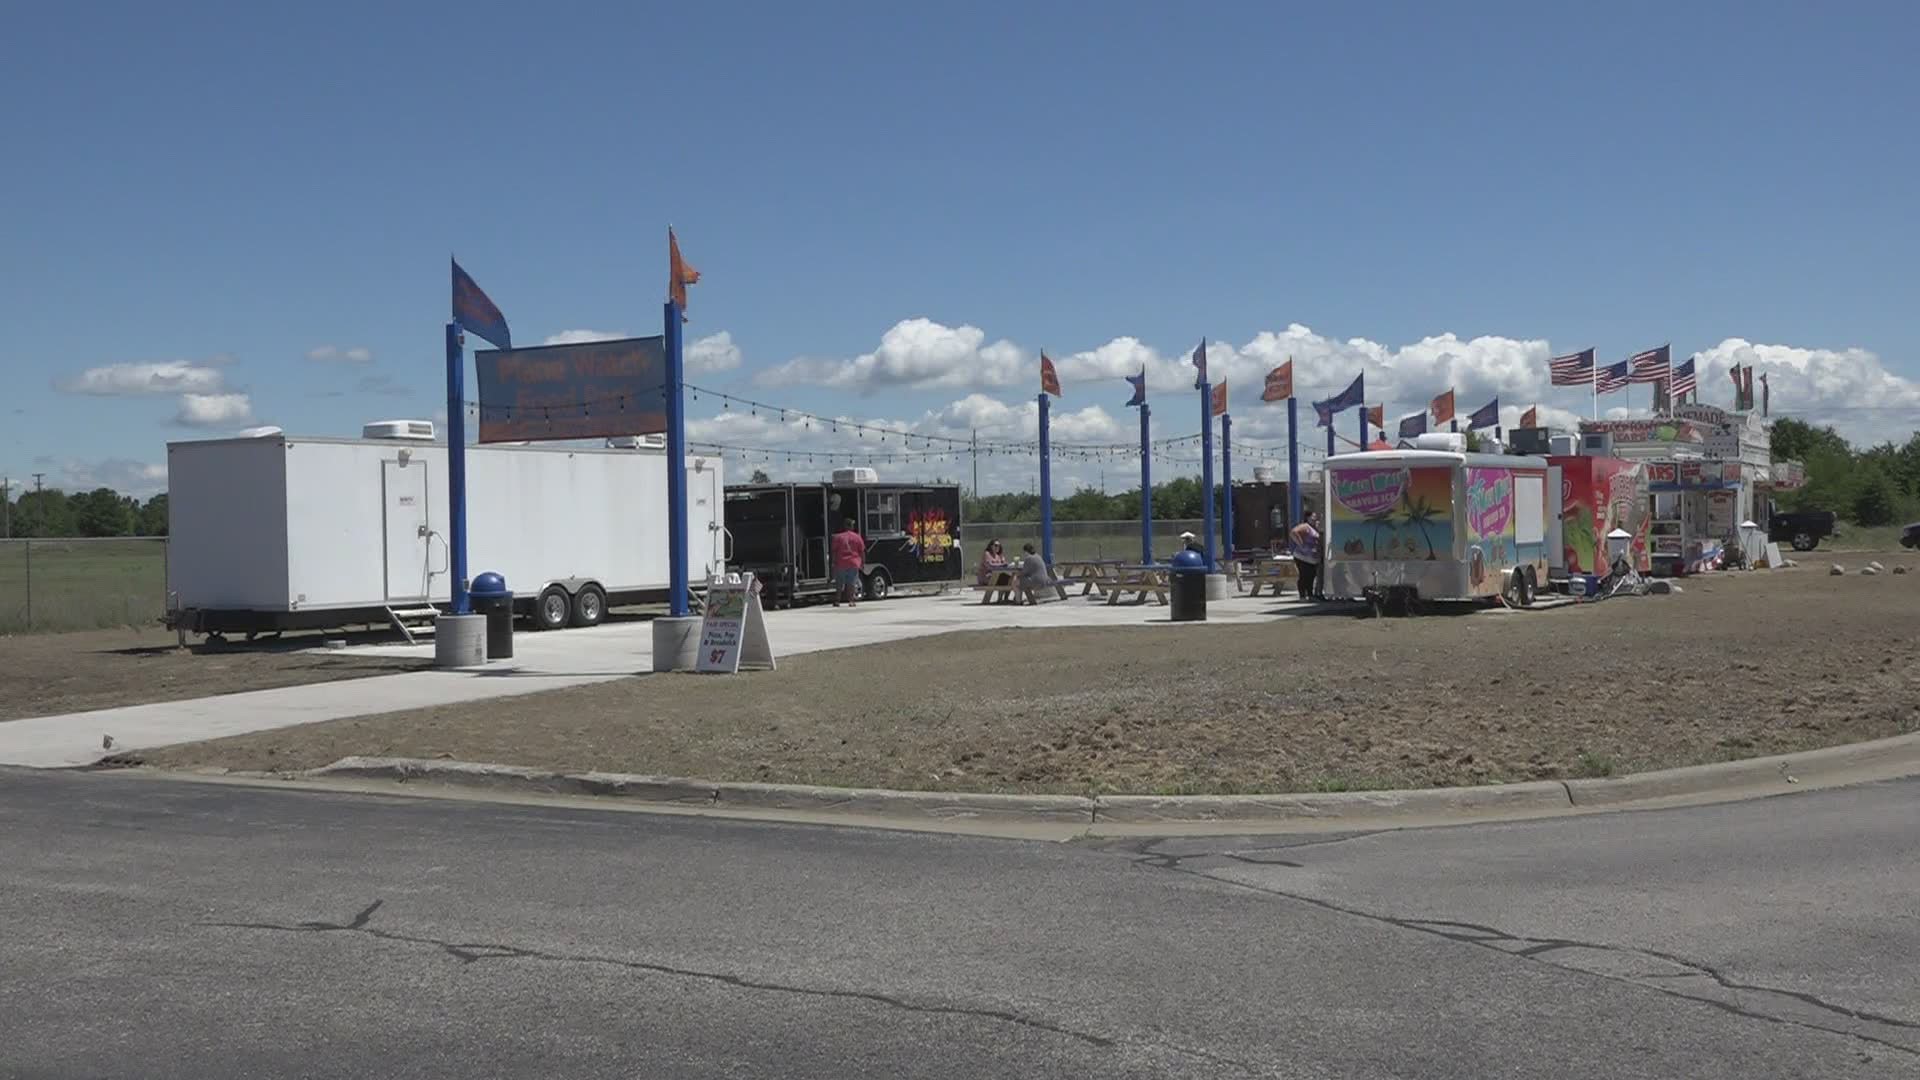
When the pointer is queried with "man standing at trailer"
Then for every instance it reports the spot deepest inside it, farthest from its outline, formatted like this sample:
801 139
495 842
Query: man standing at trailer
849 556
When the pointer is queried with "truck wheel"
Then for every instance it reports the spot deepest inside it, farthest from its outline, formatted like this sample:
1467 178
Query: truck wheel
878 585
589 606
1531 584
553 609
1804 542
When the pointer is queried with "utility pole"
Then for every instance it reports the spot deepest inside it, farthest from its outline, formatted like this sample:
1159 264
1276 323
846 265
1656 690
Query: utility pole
6 508
976 463
37 478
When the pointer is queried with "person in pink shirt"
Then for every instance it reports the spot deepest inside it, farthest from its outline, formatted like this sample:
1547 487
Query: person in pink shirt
849 557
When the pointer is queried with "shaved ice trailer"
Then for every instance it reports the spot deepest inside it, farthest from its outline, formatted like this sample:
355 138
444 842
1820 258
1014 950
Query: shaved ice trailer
1435 523
278 533
1597 496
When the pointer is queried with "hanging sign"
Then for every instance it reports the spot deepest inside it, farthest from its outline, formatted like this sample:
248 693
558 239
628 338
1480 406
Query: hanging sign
733 632
588 390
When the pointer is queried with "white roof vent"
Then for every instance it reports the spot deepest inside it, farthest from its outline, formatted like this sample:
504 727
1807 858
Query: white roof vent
637 442
259 432
406 430
859 475
1452 442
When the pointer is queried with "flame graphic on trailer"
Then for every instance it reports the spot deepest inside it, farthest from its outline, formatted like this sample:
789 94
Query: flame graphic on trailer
931 533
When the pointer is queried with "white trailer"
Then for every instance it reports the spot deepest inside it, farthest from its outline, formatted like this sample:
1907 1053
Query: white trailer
280 533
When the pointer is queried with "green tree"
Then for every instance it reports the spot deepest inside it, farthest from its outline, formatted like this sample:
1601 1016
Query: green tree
153 516
43 514
102 512
1875 498
759 477
1797 440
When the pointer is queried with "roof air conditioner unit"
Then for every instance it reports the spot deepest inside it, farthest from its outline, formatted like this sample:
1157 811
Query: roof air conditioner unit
1450 441
405 430
860 475
637 442
1561 445
259 432
1596 444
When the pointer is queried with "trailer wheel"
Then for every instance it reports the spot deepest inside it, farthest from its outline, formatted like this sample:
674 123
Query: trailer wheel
878 585
1532 584
1804 542
553 609
589 606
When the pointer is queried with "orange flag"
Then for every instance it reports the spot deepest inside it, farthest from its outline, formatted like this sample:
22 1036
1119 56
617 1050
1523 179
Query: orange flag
680 273
1443 408
1049 378
1377 416
1530 418
1220 398
1279 383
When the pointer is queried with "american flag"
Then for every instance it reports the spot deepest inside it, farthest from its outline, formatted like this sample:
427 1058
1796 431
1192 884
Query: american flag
1652 366
1609 380
1684 381
1573 369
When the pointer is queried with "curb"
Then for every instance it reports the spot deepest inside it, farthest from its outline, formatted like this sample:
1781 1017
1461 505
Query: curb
1854 762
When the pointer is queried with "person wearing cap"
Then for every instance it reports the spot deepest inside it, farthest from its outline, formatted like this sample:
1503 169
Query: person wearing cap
1192 543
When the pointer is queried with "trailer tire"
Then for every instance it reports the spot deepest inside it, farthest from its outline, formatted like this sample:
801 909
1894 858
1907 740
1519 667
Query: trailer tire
589 606
1532 582
552 609
877 585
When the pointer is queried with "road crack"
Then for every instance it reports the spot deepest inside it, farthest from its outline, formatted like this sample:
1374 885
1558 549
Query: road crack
361 924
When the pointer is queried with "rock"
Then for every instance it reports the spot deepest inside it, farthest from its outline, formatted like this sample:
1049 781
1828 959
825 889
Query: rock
1877 565
1661 587
1899 569
1868 570
1837 570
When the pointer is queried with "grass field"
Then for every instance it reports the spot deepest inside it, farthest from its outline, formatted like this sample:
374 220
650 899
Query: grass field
54 586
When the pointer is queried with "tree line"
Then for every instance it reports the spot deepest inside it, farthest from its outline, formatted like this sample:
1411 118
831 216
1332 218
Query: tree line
1877 485
100 512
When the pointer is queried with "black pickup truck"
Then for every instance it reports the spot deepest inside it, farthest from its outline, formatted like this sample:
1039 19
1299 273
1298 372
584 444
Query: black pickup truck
1804 529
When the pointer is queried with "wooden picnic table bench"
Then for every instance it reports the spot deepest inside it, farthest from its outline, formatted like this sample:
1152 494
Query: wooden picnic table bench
1273 574
1003 587
1141 581
1092 575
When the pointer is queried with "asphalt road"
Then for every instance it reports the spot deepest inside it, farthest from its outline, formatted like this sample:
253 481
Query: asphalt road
158 928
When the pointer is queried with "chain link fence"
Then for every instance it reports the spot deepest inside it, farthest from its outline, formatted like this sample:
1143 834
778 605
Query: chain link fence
1079 539
49 586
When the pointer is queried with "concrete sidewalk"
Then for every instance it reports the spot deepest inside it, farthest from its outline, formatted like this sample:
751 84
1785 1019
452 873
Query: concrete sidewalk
556 660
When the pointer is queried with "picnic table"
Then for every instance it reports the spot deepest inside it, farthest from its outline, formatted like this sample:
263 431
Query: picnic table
1093 575
1003 587
1141 581
1270 572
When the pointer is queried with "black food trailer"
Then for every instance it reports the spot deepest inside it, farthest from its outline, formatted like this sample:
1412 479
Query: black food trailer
780 532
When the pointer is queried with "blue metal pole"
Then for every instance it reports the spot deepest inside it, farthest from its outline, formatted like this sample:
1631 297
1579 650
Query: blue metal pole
1226 485
1206 469
1146 491
1046 485
1363 427
1293 462
457 469
677 601
1330 450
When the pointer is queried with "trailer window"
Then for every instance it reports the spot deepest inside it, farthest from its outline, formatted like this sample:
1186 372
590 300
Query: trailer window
883 512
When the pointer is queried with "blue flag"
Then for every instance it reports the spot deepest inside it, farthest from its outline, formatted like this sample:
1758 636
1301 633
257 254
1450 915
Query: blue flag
1200 365
1487 415
1139 387
476 314
1415 424
1345 399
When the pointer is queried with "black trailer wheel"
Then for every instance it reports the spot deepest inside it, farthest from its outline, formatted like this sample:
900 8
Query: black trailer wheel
1804 542
553 609
878 585
589 606
1531 583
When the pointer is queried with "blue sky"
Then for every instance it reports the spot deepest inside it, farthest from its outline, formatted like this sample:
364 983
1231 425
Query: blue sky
895 209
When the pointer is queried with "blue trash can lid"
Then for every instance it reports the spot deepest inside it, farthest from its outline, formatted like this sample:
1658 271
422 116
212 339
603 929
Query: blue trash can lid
488 584
1188 560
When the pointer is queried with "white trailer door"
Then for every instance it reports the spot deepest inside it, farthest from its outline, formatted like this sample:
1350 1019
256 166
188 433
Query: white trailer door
406 530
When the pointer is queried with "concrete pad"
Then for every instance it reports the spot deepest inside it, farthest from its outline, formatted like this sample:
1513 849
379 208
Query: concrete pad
559 659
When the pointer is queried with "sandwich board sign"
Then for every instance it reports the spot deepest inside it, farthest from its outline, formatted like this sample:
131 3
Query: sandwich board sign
733 632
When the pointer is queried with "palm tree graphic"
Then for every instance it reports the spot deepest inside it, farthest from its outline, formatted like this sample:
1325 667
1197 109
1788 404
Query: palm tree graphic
1420 514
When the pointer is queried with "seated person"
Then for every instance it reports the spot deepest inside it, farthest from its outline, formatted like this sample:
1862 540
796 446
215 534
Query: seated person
1034 574
992 559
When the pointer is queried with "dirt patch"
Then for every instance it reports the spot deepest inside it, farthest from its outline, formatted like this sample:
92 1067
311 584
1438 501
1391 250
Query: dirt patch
49 674
1737 666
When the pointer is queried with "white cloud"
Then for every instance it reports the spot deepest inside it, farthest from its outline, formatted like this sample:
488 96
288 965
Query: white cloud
581 337
715 352
136 379
214 410
916 353
1850 389
334 354
127 477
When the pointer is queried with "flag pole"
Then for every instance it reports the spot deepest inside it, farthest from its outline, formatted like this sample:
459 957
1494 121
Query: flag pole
1293 460
1146 491
457 470
1046 486
677 601
1206 467
1226 485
